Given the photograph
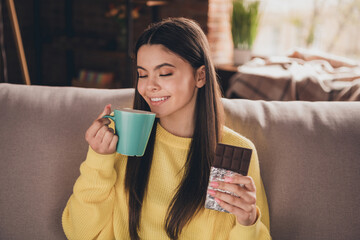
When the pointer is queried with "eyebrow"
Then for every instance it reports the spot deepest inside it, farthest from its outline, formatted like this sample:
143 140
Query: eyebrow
159 66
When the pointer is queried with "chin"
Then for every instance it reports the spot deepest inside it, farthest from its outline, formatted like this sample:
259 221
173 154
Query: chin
158 114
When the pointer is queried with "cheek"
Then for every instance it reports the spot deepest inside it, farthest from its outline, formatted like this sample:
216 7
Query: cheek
188 86
141 88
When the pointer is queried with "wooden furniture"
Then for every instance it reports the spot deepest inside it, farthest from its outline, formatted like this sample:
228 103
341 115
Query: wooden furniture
77 35
18 40
225 72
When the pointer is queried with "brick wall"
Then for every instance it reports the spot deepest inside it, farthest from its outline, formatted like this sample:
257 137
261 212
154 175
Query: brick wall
219 31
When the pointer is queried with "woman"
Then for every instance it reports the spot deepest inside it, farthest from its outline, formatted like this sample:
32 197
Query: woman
162 194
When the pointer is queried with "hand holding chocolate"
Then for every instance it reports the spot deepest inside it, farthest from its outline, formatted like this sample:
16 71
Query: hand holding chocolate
228 160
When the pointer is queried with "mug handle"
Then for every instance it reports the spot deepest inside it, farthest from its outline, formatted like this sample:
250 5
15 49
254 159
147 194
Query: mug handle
109 116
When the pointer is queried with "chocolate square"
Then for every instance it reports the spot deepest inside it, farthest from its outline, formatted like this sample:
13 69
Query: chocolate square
236 159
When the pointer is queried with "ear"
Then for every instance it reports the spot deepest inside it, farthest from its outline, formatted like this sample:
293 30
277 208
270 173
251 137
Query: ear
200 77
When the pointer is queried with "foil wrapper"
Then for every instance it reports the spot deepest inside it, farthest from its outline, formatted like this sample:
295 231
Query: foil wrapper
217 174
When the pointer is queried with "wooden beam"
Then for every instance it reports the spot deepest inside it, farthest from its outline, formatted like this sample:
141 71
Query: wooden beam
18 40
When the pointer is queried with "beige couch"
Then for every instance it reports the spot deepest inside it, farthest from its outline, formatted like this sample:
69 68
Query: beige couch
309 155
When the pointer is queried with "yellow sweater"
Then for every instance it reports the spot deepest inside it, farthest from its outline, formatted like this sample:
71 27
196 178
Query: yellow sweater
98 207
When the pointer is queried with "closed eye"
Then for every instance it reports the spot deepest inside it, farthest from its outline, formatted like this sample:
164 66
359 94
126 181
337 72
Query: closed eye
141 76
165 75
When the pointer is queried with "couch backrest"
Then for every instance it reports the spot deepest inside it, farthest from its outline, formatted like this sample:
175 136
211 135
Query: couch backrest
42 145
308 157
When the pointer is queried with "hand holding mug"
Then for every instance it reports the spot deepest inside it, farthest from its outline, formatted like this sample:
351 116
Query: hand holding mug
133 127
100 137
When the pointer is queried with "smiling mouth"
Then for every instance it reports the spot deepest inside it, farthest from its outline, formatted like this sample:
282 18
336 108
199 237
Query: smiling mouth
158 99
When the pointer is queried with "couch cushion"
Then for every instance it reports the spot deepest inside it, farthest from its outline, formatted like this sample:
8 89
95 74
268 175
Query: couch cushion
309 157
41 146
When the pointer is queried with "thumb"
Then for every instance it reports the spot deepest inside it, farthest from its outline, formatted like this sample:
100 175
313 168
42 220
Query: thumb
107 111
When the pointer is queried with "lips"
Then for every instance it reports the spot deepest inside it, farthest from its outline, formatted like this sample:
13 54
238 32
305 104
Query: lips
158 100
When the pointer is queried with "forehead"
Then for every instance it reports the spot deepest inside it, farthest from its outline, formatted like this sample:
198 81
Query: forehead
155 54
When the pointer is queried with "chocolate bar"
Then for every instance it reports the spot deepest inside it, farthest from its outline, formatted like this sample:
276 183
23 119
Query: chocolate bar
228 160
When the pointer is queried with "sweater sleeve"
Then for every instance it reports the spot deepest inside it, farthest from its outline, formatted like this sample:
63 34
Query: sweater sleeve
260 229
257 231
89 211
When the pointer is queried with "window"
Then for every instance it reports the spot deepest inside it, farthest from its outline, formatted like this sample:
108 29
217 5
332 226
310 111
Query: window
331 26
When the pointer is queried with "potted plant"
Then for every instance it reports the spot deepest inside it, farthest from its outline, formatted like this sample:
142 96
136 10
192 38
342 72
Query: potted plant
244 24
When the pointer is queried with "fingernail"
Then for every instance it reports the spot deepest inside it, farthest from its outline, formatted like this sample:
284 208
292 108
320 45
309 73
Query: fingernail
211 192
214 184
228 179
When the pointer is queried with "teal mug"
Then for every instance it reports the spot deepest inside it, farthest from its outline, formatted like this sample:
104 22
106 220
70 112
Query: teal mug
133 127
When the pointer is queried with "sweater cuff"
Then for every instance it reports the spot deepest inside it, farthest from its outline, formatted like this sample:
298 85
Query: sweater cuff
248 232
100 161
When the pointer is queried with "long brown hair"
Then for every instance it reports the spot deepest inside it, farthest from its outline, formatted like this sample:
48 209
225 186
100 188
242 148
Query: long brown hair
185 38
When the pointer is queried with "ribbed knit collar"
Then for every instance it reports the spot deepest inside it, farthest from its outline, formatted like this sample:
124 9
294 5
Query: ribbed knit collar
170 139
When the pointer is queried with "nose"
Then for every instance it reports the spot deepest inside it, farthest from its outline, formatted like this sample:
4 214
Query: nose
152 84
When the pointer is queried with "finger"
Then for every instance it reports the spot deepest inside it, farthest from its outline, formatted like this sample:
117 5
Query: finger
101 133
230 187
107 137
111 130
231 208
94 128
233 200
246 217
114 142
104 121
247 181
106 111
248 196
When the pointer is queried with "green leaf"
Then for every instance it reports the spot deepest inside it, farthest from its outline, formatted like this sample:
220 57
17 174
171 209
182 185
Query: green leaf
244 23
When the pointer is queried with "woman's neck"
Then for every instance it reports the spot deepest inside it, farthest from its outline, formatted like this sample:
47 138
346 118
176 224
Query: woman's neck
179 127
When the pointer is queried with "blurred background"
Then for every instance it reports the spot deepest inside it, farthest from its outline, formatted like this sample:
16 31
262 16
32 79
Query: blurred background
88 43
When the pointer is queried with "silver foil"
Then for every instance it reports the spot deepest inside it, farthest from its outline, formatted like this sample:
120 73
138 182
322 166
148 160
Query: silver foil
217 174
